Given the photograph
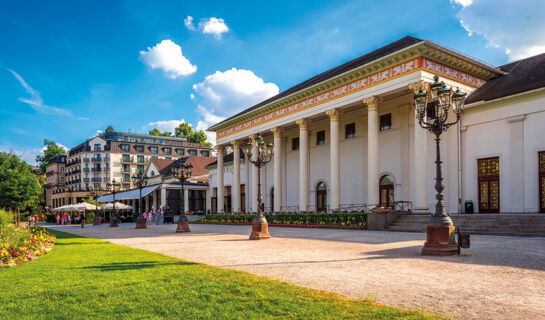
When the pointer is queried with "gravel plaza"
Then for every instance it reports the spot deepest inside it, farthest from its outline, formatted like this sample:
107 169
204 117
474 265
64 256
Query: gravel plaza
497 278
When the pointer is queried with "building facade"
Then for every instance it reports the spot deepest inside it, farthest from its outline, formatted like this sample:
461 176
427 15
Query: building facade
347 138
55 181
117 156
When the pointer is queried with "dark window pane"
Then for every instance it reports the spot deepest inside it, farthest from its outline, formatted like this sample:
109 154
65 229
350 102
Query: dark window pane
320 137
386 122
295 143
350 131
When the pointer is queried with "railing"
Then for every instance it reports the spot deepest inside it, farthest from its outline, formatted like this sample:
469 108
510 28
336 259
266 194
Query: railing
353 207
96 159
107 159
85 159
86 180
86 169
127 159
96 169
403 206
96 179
107 169
106 179
71 163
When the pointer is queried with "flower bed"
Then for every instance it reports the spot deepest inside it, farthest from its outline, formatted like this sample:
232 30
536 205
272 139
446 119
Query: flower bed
312 220
23 244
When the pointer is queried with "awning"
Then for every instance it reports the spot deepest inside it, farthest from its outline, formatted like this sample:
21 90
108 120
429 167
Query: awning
128 195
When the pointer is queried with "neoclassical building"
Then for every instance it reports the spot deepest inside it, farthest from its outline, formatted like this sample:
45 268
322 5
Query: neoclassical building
347 137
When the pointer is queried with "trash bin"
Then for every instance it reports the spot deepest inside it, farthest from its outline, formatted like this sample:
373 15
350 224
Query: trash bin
468 207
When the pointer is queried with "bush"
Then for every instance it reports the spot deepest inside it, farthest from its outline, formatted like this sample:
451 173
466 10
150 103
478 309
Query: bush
322 219
89 217
6 217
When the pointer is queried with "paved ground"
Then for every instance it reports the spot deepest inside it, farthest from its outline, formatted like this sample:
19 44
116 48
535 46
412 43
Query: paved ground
498 278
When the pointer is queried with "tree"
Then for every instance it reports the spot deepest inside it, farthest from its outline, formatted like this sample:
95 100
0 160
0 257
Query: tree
109 129
19 187
166 134
51 149
155 132
185 130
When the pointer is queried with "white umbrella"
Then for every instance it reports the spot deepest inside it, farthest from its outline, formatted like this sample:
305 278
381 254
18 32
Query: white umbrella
82 206
118 206
68 207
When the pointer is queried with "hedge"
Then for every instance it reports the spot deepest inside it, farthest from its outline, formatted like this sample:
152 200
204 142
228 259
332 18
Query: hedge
322 219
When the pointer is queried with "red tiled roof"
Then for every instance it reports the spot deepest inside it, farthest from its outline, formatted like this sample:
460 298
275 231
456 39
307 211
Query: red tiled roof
163 165
199 165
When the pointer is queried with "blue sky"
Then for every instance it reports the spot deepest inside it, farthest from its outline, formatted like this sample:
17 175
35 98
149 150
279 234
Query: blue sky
70 68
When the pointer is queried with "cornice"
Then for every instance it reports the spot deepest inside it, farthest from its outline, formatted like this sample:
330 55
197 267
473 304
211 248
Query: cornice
425 49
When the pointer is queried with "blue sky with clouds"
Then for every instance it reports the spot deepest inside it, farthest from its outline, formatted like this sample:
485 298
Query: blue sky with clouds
70 68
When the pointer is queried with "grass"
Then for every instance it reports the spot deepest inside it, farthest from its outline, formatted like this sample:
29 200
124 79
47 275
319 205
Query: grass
83 278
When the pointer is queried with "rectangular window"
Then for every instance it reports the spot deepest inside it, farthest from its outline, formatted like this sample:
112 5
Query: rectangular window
205 153
161 141
153 150
176 143
320 137
350 131
149 140
154 157
140 168
192 152
97 147
180 152
134 139
140 159
295 143
386 122
125 147
125 168
139 148
126 158
126 177
168 158
167 150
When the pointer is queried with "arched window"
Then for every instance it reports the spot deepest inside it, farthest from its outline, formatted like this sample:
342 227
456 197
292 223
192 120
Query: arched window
386 191
321 197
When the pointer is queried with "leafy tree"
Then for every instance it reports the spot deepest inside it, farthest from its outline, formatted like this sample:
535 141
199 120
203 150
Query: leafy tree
19 187
51 149
109 129
166 134
155 132
185 130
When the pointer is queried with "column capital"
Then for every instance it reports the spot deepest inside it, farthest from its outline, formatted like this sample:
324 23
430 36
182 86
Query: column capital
416 86
236 144
219 148
303 124
334 114
277 132
372 103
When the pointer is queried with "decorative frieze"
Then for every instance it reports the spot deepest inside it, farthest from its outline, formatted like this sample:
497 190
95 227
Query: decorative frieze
415 64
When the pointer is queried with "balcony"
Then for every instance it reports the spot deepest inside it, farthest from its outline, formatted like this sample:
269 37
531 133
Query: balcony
107 169
96 169
107 159
71 163
96 159
106 179
85 159
49 173
86 169
96 180
86 180
127 159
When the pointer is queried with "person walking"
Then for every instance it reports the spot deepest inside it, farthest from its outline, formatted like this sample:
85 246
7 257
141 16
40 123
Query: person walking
145 215
58 218
63 219
69 219
157 216
37 219
150 218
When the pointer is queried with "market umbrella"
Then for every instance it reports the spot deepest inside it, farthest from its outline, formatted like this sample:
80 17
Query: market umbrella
82 206
118 206
68 207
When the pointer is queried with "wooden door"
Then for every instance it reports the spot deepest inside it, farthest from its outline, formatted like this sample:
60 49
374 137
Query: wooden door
387 196
541 181
489 185
321 197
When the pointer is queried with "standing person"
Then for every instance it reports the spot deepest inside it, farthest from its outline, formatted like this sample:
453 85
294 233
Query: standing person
82 218
63 219
37 219
150 218
157 216
145 215
58 218
69 218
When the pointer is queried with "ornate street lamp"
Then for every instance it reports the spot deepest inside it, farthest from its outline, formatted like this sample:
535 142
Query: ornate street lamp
113 187
264 155
440 232
140 182
95 193
182 172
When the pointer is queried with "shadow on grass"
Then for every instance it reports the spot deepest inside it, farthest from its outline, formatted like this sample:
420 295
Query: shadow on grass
118 266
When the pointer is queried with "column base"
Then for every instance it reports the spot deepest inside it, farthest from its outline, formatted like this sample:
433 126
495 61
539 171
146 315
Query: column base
140 223
113 224
260 230
183 226
440 241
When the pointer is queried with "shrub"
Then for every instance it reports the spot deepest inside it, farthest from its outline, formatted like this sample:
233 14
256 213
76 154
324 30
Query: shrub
89 217
6 217
322 219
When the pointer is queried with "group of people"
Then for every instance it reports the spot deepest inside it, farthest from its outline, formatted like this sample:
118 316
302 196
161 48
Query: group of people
64 219
150 216
34 219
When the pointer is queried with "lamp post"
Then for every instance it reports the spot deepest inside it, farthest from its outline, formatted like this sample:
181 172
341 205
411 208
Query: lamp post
140 181
440 231
113 187
95 193
263 156
182 172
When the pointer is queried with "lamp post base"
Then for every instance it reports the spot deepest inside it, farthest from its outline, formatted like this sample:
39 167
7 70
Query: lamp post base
113 223
440 241
140 223
260 229
183 226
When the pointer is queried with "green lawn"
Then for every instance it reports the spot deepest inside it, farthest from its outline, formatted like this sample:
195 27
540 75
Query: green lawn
83 278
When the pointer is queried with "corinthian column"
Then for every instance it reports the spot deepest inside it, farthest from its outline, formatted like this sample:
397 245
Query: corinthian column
277 132
254 174
221 188
334 167
303 164
236 177
372 150
420 192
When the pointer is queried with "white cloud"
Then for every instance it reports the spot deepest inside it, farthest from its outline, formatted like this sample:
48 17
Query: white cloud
188 22
224 94
168 56
36 101
27 154
515 26
164 125
213 26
